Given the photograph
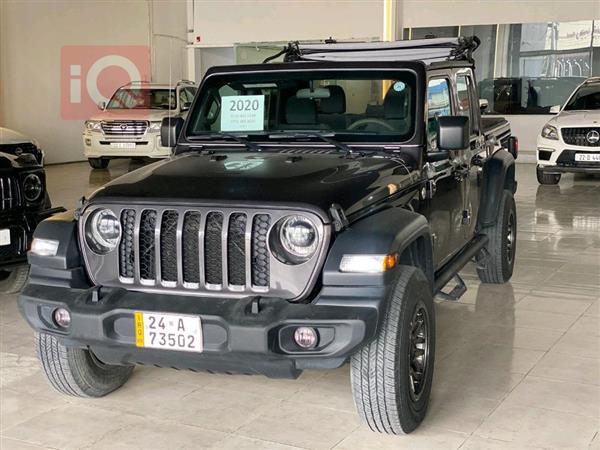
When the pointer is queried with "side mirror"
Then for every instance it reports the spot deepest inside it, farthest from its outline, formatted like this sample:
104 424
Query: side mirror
453 133
101 106
169 131
185 106
555 109
483 104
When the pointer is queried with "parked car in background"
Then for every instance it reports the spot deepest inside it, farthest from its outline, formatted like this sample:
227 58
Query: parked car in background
570 141
14 143
24 202
129 124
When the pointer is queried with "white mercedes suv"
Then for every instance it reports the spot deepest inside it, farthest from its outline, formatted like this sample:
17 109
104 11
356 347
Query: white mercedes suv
129 124
570 141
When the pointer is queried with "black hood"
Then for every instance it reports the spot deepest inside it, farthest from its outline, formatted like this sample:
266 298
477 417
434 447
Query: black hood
315 179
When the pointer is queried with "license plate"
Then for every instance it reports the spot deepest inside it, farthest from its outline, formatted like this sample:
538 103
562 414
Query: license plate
591 157
168 331
4 237
122 144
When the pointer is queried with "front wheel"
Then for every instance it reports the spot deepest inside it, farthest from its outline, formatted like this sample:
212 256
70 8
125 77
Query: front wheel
392 376
13 280
547 178
77 371
98 163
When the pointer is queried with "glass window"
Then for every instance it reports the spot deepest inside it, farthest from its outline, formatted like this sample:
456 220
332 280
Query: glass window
144 98
587 97
350 104
438 104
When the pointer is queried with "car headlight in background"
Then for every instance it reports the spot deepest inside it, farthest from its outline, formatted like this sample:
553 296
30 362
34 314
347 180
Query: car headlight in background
102 231
154 127
295 239
93 125
32 187
550 132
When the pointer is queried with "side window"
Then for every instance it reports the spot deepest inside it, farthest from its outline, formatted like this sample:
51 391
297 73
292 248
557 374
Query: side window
438 104
464 93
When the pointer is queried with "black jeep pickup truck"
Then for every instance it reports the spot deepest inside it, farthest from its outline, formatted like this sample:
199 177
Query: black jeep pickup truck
24 202
311 211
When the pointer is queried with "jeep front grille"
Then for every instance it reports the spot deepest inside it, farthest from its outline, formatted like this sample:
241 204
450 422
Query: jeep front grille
579 136
124 127
10 193
202 251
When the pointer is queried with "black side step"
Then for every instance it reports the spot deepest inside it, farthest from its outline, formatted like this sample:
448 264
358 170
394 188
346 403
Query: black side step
458 261
457 291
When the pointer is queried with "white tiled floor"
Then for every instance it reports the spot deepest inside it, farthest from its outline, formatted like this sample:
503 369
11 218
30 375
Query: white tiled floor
518 365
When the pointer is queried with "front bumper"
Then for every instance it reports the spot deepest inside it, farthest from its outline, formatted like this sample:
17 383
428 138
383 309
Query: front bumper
555 156
21 226
247 335
97 145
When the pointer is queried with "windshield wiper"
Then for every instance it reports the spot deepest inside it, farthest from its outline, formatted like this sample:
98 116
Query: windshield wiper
324 137
212 136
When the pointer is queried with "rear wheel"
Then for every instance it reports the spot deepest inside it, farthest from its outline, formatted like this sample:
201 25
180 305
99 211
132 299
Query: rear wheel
392 376
547 178
98 163
76 371
502 245
12 280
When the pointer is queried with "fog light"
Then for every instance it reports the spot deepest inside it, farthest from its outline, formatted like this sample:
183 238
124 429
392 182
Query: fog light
62 317
88 142
306 337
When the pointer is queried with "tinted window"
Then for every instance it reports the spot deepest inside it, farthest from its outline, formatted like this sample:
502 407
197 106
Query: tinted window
438 104
135 98
586 97
359 105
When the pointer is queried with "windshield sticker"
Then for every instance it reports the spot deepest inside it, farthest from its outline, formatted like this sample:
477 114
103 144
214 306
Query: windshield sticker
399 86
243 113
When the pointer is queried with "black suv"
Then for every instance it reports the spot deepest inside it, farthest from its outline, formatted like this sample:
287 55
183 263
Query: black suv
24 202
310 213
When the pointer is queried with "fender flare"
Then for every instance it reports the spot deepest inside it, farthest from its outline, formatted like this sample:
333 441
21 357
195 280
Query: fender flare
390 231
498 175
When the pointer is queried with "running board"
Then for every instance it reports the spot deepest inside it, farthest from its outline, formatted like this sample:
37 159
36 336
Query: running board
458 261
457 291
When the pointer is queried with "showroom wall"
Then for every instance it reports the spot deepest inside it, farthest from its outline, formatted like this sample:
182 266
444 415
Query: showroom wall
32 34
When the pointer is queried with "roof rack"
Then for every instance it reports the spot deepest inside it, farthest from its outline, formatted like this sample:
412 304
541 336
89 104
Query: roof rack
426 50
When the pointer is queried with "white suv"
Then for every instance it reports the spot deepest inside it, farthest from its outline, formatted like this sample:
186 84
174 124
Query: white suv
570 141
129 124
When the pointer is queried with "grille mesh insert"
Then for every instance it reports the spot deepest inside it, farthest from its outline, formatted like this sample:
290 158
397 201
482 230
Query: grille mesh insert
213 248
168 246
260 253
147 230
190 248
236 250
126 248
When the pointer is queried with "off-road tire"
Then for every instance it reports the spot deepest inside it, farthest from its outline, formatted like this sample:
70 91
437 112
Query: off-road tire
497 265
13 280
380 370
98 163
77 372
547 178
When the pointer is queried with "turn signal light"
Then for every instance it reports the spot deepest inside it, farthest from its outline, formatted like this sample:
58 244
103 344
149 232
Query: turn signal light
368 263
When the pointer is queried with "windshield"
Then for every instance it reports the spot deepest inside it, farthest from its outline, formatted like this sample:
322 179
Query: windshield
354 105
135 98
587 97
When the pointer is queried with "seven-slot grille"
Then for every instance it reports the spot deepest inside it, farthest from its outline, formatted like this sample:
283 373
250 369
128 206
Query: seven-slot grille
124 127
208 250
9 193
579 136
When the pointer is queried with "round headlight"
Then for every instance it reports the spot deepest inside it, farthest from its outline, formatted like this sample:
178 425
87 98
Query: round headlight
299 237
103 231
32 187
